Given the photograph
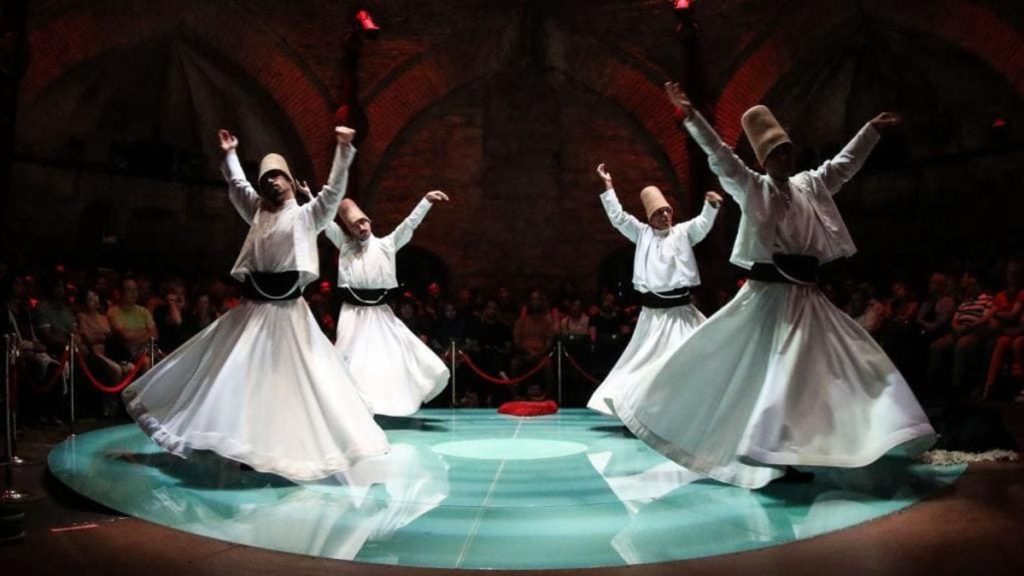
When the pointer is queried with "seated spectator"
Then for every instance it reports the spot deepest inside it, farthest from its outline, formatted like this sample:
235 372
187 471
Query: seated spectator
507 308
968 331
576 322
578 340
431 306
489 342
611 331
101 285
532 338
132 327
900 332
533 334
865 310
468 304
203 313
903 305
148 299
935 314
1005 324
1017 365
54 321
450 327
93 333
173 321
38 362
412 319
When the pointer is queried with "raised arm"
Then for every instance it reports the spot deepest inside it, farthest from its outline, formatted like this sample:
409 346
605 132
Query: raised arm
837 171
733 173
325 205
240 191
335 234
622 221
402 234
697 228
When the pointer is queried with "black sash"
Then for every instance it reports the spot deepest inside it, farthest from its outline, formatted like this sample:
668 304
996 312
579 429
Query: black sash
670 299
366 296
272 286
787 268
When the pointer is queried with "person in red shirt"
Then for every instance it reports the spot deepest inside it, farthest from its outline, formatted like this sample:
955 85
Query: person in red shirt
1007 328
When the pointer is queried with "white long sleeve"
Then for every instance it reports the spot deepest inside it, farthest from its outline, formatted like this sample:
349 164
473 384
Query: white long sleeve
402 234
241 193
838 171
736 177
325 205
624 222
697 228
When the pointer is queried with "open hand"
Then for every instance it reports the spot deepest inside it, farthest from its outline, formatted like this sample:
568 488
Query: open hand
713 198
302 188
435 196
886 120
228 141
605 176
678 98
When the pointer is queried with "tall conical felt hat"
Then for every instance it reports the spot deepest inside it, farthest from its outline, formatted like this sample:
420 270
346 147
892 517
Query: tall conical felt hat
653 200
763 131
272 162
350 212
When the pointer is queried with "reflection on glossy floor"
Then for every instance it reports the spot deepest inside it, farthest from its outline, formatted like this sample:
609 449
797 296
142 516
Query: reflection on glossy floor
474 489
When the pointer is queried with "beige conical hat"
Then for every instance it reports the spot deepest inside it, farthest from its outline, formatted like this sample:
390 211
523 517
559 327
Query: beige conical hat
763 131
351 213
273 162
653 200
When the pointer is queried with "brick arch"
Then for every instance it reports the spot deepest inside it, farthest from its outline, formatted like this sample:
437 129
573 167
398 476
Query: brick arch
414 87
66 41
972 28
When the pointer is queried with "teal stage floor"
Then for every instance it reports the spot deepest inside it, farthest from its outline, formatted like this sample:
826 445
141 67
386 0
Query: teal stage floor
474 489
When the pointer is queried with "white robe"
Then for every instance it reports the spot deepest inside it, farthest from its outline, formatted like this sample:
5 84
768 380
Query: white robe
262 385
663 261
395 371
784 377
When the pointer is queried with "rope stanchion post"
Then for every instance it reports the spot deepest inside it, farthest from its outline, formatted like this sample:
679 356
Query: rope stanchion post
11 357
559 371
581 370
71 385
10 493
452 360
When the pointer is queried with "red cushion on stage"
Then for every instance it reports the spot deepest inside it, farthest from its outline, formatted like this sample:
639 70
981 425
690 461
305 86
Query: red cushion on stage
528 408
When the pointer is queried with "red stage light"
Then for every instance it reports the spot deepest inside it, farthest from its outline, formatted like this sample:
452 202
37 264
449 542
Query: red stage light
367 24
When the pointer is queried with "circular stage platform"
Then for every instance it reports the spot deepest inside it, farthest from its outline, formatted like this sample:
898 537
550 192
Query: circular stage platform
475 489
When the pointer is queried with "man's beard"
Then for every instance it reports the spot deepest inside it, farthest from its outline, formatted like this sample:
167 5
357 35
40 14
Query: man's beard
272 197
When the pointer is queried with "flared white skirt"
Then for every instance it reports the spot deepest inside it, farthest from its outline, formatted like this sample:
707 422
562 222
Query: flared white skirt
395 371
262 385
777 377
659 332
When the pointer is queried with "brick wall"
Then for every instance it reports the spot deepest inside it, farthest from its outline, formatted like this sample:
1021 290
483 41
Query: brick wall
508 105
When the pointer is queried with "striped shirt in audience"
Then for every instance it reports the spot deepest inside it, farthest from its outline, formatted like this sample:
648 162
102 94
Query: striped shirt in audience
973 311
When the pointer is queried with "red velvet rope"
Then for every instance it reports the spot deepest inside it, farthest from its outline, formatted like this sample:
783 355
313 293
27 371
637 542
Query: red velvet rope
580 369
61 364
506 382
117 388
